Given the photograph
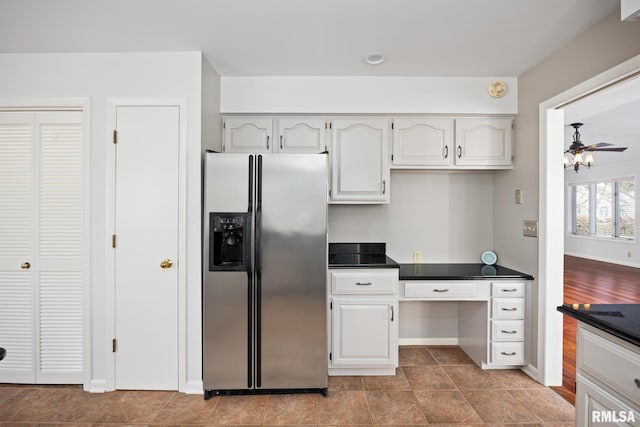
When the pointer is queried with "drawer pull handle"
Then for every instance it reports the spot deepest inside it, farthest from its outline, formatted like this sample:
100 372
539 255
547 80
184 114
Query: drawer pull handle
510 290
637 380
364 283
509 309
441 290
513 353
508 332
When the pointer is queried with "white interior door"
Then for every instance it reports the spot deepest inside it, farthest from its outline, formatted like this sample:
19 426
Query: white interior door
146 264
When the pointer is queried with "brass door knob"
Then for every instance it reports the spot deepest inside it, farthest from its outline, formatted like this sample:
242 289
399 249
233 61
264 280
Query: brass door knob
166 263
25 266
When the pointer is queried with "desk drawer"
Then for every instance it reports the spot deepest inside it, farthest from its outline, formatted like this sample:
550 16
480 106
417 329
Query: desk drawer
508 308
610 363
364 282
507 353
440 290
507 289
507 330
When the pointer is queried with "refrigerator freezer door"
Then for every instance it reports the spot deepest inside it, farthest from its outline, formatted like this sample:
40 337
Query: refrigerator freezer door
291 268
226 322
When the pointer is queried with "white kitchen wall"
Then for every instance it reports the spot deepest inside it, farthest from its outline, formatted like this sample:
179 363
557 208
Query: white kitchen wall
447 216
360 95
606 44
608 250
122 75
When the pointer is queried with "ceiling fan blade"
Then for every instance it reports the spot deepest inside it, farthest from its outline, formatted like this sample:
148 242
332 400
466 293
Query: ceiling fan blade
618 149
598 145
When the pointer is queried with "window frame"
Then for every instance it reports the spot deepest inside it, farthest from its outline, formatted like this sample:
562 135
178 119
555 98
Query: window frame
593 209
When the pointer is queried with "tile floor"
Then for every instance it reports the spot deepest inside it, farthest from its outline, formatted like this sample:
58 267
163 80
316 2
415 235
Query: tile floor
435 385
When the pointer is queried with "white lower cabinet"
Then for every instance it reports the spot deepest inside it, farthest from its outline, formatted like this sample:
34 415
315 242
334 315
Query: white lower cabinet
607 380
507 323
363 308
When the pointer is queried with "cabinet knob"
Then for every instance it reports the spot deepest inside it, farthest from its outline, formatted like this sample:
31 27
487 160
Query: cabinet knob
166 263
637 380
25 266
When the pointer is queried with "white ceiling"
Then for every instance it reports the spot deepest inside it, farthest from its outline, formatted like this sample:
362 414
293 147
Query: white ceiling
466 38
485 38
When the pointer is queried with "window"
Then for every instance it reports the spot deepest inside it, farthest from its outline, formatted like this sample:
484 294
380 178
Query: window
604 209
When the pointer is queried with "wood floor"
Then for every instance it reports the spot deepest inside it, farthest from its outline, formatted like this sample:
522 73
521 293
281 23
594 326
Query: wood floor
588 281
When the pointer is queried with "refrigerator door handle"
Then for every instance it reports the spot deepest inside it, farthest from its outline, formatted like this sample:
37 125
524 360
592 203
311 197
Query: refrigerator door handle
249 329
258 272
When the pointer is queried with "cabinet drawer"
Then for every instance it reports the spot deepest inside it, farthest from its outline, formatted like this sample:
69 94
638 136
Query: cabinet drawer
368 283
507 330
507 353
440 290
610 363
508 308
507 289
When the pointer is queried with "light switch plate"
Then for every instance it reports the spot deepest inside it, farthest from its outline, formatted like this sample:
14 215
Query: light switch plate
519 197
530 228
417 257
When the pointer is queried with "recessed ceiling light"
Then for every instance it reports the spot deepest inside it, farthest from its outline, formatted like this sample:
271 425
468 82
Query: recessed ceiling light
375 58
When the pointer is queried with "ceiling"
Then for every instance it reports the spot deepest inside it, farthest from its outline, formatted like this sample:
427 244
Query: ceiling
469 38
465 38
610 115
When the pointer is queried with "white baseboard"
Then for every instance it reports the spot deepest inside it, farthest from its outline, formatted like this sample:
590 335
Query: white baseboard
532 371
194 387
96 386
427 341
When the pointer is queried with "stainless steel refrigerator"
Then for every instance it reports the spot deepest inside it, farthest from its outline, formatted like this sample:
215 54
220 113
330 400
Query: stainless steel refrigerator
264 273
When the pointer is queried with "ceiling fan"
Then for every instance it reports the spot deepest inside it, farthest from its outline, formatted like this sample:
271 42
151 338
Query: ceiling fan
573 155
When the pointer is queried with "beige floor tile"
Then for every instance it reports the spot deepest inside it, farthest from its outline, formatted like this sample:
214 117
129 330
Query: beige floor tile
546 404
345 383
449 355
186 409
391 382
394 407
514 379
410 355
446 407
39 406
343 408
233 410
428 378
135 407
498 406
472 378
291 409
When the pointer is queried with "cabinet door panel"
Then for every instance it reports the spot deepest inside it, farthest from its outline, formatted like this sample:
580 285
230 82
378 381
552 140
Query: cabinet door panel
422 142
301 135
248 135
483 142
360 170
364 332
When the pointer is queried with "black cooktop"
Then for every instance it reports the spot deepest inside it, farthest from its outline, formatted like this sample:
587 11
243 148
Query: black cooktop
360 255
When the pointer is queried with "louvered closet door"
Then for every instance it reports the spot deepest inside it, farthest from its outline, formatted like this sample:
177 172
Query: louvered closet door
41 241
16 246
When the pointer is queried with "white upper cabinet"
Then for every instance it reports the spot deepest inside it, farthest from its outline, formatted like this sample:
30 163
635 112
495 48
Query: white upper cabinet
483 142
247 135
301 135
359 160
422 142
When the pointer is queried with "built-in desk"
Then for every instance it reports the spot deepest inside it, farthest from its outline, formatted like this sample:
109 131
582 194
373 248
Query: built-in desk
478 307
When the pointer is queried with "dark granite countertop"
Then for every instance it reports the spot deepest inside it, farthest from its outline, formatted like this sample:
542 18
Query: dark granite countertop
360 255
620 320
459 272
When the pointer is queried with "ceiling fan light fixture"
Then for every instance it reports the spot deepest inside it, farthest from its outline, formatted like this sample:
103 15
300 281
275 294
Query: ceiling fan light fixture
588 159
375 58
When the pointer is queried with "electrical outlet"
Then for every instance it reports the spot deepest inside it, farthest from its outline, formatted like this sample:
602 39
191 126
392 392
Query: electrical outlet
530 228
519 197
628 254
417 256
